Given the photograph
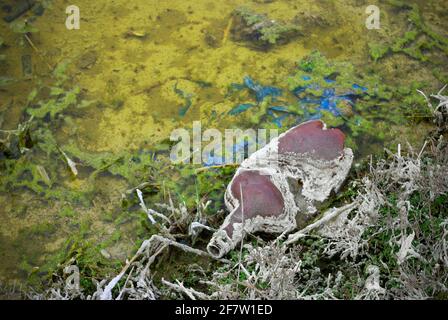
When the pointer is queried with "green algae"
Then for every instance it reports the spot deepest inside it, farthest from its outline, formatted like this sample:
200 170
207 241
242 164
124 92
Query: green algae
60 101
2 56
212 184
22 26
56 98
260 29
416 43
379 103
374 100
86 255
378 51
187 97
24 173
14 143
133 167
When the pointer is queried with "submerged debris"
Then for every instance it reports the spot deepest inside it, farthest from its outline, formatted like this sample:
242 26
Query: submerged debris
87 60
259 30
70 163
440 112
44 175
14 143
27 66
135 34
410 242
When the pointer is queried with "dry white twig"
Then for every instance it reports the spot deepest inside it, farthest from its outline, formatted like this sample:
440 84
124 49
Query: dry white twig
319 223
190 292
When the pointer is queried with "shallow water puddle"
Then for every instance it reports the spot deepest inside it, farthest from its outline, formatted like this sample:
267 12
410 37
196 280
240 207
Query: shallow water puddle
145 68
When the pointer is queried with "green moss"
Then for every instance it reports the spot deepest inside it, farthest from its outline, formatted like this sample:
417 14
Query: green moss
23 173
22 26
42 229
331 120
212 184
68 212
415 43
260 29
14 143
134 167
273 33
2 56
60 101
316 64
86 256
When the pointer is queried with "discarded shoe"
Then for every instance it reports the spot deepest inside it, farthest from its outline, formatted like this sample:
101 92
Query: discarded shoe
288 177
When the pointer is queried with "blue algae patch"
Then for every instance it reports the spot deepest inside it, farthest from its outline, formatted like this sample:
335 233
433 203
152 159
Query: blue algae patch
219 159
277 120
284 114
237 86
278 108
306 78
240 108
358 87
260 91
327 100
213 160
187 96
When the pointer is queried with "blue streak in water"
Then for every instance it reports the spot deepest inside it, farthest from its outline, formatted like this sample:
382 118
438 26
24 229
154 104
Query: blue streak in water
261 91
240 108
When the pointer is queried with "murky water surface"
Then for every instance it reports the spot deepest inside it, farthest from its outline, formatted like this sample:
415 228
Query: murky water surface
109 95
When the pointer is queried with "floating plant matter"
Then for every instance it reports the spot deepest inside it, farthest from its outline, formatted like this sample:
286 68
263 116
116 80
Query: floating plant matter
260 30
290 176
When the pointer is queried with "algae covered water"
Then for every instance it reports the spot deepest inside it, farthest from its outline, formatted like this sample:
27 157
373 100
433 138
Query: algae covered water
90 95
